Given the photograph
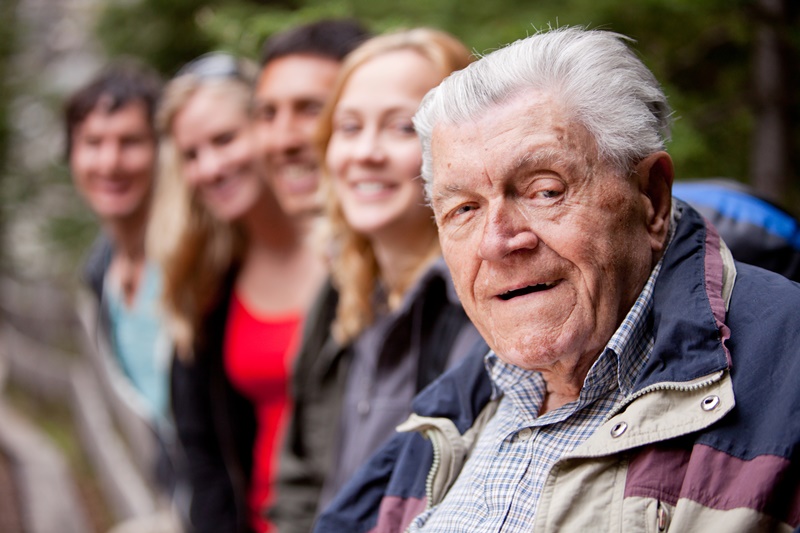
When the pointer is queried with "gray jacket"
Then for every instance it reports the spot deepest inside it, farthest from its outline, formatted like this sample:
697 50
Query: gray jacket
430 327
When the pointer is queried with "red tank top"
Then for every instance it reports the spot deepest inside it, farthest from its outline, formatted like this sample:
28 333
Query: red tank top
259 350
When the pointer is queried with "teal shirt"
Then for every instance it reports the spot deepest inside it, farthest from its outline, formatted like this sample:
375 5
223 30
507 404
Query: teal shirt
140 340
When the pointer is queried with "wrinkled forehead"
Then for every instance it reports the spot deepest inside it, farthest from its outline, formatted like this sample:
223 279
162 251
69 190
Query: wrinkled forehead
526 124
448 139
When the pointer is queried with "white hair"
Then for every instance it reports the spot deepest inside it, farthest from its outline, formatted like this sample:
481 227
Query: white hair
598 79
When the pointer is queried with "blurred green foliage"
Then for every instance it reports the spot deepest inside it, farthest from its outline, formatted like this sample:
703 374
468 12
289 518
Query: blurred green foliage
8 9
164 33
700 50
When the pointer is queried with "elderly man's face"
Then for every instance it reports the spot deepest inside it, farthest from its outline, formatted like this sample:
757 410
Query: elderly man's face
548 246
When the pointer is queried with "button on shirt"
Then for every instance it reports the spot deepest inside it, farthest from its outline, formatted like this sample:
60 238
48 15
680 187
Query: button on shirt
499 488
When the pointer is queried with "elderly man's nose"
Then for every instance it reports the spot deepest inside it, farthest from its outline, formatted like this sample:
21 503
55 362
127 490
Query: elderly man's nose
506 231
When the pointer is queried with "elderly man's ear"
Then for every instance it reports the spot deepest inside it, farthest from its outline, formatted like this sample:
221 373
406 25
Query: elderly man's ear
655 174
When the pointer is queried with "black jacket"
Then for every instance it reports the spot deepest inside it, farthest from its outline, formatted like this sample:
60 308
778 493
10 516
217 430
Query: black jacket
216 426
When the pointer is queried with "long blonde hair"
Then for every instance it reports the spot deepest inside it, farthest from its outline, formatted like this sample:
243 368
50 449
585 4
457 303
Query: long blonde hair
194 250
354 267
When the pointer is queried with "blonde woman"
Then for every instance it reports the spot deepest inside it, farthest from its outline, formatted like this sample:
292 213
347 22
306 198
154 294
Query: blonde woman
389 322
238 278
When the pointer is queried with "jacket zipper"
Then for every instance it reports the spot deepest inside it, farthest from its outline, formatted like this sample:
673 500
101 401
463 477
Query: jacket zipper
433 435
663 386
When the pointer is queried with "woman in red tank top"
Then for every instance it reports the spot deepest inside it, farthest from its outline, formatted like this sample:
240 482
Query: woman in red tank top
238 278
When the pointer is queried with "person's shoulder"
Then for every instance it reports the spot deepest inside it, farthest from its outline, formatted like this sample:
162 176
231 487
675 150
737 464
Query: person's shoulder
757 289
764 305
763 314
764 358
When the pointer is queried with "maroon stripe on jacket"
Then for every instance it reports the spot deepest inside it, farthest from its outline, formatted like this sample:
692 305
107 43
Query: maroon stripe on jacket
395 513
714 277
716 480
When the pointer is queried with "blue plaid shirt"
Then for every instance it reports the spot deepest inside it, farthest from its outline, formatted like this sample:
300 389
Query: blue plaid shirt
499 488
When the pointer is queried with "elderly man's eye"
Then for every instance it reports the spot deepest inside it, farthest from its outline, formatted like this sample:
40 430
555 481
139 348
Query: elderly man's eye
463 209
545 188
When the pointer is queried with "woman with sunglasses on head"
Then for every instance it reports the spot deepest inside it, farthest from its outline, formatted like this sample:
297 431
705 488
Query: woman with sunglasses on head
238 278
389 321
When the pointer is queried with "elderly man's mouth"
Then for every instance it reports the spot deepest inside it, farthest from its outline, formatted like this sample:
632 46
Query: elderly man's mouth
527 290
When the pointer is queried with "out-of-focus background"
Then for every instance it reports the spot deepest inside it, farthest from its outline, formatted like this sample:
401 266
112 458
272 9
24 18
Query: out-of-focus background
731 69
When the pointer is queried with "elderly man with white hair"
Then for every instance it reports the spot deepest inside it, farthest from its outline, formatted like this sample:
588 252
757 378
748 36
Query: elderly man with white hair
636 378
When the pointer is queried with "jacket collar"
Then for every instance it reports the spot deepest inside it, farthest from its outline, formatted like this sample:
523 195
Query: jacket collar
690 300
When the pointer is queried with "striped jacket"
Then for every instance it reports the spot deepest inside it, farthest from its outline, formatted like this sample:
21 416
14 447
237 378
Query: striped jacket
710 440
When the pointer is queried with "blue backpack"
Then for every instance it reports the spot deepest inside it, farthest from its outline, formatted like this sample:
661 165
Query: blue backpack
756 230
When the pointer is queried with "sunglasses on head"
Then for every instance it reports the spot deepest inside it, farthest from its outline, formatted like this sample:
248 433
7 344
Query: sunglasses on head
214 65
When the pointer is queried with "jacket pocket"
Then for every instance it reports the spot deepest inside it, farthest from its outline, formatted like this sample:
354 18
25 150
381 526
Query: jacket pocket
648 515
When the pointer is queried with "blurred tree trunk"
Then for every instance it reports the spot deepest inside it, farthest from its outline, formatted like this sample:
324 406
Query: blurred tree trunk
770 166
